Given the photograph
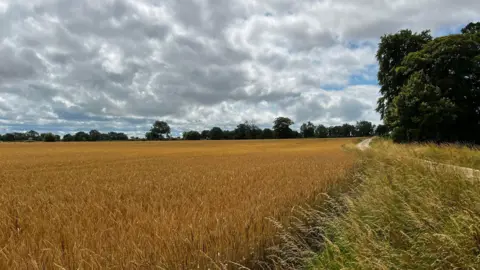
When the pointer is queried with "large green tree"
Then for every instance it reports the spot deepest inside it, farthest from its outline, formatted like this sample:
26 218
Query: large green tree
159 129
381 130
440 97
471 28
392 49
281 126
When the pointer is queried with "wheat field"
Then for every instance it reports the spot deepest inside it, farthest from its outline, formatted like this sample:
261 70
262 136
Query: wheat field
155 205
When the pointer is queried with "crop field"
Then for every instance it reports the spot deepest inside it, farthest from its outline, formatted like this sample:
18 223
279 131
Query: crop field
162 205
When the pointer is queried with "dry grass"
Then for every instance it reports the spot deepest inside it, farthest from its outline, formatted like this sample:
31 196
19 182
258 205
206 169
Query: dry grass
459 155
400 214
173 205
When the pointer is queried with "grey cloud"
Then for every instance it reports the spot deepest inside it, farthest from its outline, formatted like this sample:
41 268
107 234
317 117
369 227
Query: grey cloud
19 64
198 63
349 109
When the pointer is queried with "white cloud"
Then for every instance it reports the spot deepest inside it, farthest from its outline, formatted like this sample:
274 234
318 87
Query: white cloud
120 64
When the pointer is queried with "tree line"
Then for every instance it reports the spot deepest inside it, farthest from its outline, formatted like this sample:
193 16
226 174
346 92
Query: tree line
430 87
281 130
160 130
81 136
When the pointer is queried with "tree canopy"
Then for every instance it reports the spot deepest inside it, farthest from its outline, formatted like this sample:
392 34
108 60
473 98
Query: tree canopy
158 130
435 94
307 130
281 126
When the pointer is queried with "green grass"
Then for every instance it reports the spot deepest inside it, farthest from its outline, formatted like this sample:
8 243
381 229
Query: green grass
405 215
399 214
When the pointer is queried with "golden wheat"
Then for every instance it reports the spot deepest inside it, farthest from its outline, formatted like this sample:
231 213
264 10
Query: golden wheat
172 205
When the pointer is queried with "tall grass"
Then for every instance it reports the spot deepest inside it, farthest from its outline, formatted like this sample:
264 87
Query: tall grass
161 205
456 154
401 214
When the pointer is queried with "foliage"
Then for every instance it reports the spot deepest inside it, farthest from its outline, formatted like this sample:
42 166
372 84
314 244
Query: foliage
440 101
431 88
192 135
244 131
216 133
381 130
9 137
364 129
307 130
392 50
158 130
95 135
247 131
68 138
205 134
267 134
471 28
49 137
281 127
321 131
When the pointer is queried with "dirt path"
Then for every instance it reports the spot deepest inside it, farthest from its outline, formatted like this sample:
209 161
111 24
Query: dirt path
365 144
468 172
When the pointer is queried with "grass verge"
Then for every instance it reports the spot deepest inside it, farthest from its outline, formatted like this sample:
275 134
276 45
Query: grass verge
401 214
454 154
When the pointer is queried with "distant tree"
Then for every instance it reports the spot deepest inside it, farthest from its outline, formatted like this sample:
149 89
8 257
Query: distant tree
335 131
392 50
159 129
247 130
364 129
57 138
241 131
149 136
229 134
81 136
321 131
347 130
116 136
68 138
95 135
192 135
49 137
9 137
32 134
20 136
281 126
296 134
205 134
381 130
471 28
307 130
216 133
253 131
267 134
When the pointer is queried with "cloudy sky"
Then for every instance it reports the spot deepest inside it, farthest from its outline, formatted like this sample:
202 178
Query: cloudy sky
69 65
